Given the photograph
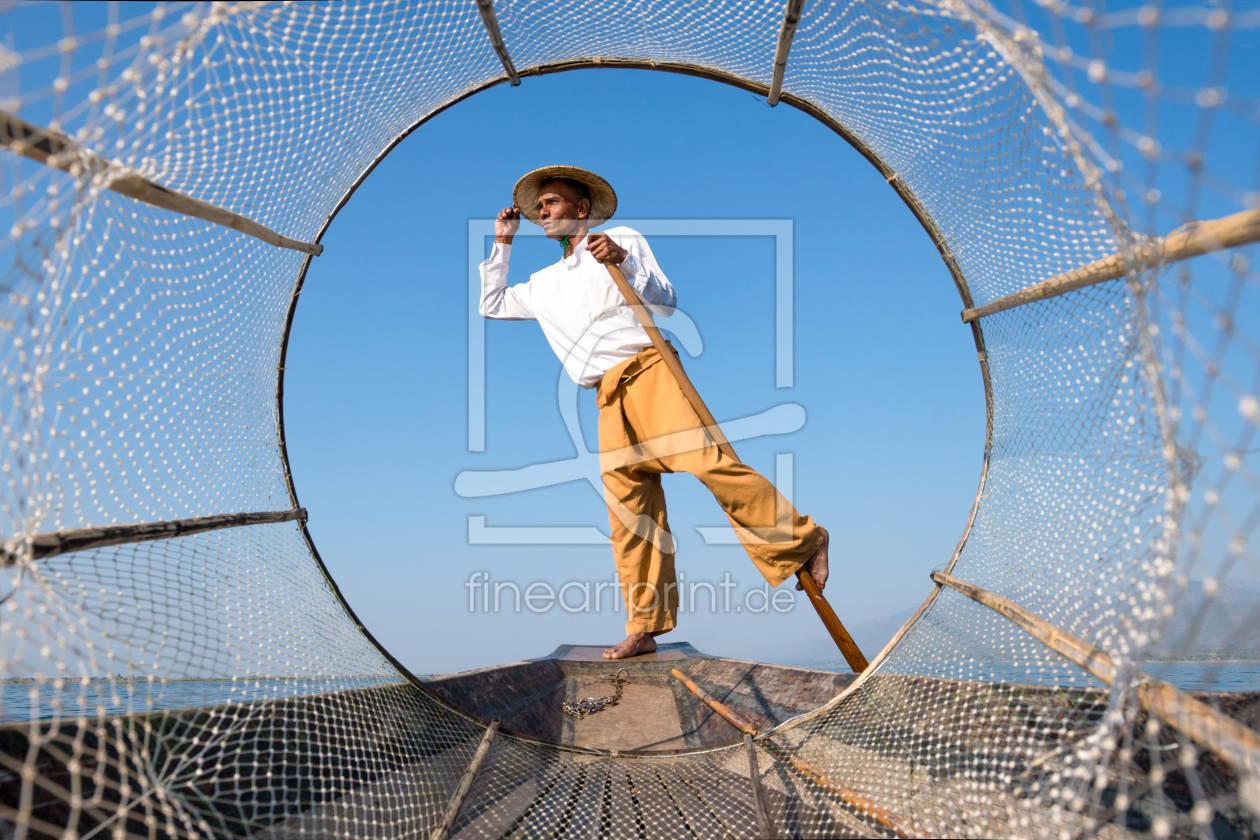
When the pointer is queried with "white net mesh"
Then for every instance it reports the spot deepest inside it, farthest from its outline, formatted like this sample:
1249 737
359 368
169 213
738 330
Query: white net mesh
215 684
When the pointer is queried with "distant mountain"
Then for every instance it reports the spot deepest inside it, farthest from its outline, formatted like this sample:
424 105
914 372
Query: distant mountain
1226 626
819 651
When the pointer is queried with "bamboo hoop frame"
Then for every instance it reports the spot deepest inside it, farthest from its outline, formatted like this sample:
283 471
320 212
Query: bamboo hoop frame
43 546
52 148
680 68
787 31
1237 744
1191 240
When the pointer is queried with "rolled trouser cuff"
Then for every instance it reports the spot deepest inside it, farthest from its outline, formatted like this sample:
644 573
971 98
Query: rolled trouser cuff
779 570
648 625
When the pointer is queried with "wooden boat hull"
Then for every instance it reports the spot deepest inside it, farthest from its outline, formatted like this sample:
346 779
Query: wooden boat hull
657 714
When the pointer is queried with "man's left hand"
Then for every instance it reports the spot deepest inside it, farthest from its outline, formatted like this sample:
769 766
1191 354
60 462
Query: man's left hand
604 249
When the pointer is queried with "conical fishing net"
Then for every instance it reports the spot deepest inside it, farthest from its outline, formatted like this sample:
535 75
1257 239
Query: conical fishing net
178 663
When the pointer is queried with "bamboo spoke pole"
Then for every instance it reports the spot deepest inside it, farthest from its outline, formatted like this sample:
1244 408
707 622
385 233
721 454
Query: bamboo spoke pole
759 803
1189 241
723 711
491 21
78 539
787 31
860 803
1237 744
443 831
52 148
829 618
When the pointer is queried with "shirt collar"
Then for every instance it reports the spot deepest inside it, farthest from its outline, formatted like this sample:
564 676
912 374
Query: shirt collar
575 259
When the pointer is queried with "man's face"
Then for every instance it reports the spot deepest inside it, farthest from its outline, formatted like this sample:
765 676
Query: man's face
561 211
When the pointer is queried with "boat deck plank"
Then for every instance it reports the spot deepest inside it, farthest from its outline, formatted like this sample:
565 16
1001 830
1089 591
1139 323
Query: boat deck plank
646 718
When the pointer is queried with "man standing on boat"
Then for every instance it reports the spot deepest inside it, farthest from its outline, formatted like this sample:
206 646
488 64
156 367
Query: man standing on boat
646 425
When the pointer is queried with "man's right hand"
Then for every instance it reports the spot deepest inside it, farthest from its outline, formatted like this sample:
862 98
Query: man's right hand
506 224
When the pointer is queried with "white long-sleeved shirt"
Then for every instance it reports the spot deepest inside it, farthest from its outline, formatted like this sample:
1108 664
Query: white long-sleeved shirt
586 320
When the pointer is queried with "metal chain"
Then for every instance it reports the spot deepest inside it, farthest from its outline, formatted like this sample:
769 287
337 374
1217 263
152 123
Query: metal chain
591 705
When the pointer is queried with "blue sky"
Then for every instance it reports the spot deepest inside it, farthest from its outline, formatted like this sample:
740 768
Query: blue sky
889 457
376 386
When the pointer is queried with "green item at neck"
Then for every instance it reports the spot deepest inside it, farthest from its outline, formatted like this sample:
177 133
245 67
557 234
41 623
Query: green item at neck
564 245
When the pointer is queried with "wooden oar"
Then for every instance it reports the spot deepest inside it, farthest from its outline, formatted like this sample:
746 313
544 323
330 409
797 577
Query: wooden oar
832 622
829 618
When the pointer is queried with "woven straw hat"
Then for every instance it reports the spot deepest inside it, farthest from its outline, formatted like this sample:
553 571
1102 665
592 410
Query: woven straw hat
600 192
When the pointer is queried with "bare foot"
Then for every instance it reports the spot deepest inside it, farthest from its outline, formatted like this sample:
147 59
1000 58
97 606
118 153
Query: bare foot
817 565
635 644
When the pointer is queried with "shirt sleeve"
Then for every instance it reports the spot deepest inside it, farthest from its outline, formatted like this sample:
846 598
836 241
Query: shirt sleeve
497 300
643 274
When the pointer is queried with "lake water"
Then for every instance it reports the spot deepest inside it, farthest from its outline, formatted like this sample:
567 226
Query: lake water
1188 676
1208 676
23 700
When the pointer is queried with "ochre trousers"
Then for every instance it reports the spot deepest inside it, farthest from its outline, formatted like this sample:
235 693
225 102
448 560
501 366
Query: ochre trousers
646 428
